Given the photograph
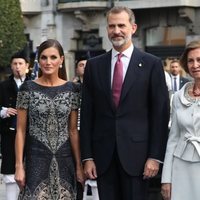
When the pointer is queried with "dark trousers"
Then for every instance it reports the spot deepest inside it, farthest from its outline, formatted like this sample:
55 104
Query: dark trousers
116 184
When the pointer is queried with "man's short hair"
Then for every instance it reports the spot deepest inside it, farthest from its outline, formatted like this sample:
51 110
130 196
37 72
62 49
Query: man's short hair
84 57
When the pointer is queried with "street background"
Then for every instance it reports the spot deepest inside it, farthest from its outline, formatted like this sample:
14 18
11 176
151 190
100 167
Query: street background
2 187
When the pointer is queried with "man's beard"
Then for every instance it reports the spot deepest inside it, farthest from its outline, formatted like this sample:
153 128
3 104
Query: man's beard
119 43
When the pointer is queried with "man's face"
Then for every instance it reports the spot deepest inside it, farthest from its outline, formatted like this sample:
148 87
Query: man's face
175 68
120 30
80 68
19 67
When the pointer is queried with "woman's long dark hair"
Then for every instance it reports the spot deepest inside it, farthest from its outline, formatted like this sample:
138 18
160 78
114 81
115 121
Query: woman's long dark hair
53 43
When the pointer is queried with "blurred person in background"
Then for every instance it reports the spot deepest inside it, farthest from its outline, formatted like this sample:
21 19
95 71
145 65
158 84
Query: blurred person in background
168 81
8 96
79 72
79 69
177 80
90 188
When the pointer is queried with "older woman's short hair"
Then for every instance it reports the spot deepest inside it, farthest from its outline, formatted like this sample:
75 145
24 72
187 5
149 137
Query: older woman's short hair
184 57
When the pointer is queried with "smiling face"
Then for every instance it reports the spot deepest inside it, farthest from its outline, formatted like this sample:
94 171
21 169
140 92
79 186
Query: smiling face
193 63
120 30
50 61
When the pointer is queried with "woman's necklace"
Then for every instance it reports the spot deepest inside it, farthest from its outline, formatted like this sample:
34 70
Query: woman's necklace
195 92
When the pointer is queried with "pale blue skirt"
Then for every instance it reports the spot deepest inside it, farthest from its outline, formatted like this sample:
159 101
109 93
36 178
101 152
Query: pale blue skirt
185 180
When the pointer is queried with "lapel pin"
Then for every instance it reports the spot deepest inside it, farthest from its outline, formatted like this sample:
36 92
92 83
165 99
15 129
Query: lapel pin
140 65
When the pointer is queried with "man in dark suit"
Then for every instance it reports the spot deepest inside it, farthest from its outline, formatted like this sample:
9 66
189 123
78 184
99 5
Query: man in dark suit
79 69
177 81
8 96
175 73
124 114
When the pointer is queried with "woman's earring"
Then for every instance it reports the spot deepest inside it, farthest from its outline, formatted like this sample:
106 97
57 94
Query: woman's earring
60 66
38 65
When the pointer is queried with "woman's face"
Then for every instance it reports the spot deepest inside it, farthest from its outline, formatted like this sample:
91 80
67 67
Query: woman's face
193 63
50 61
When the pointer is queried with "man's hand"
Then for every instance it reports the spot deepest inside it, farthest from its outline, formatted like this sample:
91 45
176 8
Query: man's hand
151 168
90 169
11 112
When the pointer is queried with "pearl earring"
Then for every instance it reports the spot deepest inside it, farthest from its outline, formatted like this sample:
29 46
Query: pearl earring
60 66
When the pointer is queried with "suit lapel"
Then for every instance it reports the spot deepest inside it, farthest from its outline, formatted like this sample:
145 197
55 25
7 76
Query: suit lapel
181 83
132 72
13 86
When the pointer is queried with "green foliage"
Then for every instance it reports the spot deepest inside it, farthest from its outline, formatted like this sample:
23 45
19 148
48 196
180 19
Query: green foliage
12 38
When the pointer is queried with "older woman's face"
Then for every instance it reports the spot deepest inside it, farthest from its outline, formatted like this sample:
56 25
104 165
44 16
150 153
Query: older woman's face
193 63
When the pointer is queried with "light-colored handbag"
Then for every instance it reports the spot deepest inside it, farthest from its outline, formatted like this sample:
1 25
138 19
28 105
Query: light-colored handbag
95 194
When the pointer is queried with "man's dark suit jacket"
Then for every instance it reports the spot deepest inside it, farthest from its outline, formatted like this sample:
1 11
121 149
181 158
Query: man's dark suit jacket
8 97
138 128
183 81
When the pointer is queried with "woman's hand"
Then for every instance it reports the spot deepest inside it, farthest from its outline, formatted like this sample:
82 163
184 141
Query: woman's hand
20 177
80 175
166 191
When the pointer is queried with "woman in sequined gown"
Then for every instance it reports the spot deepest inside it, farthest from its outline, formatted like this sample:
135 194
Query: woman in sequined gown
47 131
181 174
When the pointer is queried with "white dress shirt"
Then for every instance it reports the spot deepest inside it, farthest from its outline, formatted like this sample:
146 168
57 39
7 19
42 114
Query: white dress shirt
125 60
3 111
168 81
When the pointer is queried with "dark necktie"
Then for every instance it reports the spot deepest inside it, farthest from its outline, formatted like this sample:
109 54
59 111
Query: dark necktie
175 85
117 80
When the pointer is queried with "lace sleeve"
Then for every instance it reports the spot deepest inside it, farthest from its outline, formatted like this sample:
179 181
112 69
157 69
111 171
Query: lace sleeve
23 97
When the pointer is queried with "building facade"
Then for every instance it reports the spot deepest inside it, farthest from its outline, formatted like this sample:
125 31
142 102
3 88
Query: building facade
164 26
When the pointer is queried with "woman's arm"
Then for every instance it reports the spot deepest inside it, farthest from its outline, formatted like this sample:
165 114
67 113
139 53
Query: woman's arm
19 147
75 143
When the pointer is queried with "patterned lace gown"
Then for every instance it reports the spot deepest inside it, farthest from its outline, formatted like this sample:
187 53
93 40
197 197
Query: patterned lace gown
49 166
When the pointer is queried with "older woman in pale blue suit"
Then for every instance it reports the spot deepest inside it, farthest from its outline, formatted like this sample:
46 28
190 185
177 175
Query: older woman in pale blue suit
181 169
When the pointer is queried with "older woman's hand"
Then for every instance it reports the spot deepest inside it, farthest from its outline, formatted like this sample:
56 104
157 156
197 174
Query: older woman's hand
166 191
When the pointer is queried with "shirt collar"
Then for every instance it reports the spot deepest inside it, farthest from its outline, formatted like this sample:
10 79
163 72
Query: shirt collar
177 76
128 52
19 81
